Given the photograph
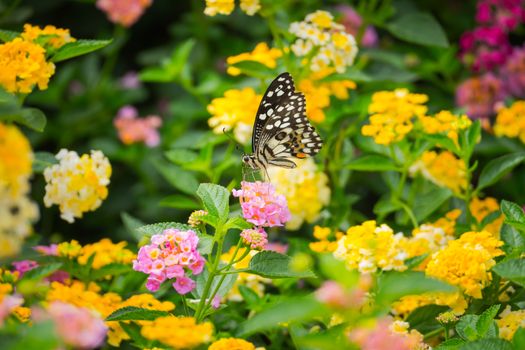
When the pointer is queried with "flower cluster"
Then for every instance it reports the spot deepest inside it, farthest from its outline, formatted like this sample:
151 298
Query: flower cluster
326 40
54 37
430 237
178 332
392 113
481 208
105 252
24 65
404 306
225 7
488 46
480 95
195 218
124 12
132 129
17 210
167 257
466 261
77 327
261 53
510 121
305 188
324 244
254 282
368 247
443 169
255 238
387 334
236 110
10 301
77 184
446 123
509 321
261 205
513 73
230 344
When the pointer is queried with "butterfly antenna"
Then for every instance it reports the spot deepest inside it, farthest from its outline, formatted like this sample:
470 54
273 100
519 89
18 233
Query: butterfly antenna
238 146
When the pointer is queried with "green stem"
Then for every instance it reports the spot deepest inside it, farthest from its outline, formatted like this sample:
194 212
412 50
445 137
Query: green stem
434 332
185 304
111 59
409 212
212 273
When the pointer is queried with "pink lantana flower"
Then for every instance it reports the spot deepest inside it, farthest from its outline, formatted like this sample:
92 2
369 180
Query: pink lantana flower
23 266
78 327
124 12
171 255
255 238
184 285
480 95
261 205
132 129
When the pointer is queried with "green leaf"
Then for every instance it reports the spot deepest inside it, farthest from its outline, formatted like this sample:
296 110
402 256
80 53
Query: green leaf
415 261
133 330
181 156
394 285
426 203
179 178
518 341
8 35
226 285
133 313
31 117
43 160
514 241
289 310
237 223
442 141
497 168
336 270
513 213
418 28
486 327
473 136
132 224
40 335
424 318
205 245
513 269
179 201
466 327
487 344
249 295
113 269
78 48
171 69
42 271
215 199
161 226
271 264
386 206
451 344
379 72
372 162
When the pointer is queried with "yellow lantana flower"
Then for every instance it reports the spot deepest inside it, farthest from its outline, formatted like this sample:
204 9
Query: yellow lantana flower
178 332
231 344
24 66
510 121
58 37
509 321
16 158
445 123
261 53
480 208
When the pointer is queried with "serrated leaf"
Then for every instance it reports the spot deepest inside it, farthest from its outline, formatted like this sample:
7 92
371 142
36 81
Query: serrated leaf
424 318
418 28
237 223
133 313
514 240
372 162
466 327
499 167
161 226
225 287
513 269
487 344
271 264
486 327
451 344
8 35
43 160
205 245
513 212
78 48
215 199
442 141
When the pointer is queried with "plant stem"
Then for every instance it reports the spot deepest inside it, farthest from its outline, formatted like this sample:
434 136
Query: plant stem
434 333
184 303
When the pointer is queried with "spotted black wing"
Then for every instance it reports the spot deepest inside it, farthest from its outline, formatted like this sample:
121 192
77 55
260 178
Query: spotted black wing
288 133
281 88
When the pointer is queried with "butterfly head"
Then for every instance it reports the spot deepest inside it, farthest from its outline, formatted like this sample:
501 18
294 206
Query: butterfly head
249 160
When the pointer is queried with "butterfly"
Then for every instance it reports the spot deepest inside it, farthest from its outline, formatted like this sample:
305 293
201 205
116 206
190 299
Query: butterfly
281 130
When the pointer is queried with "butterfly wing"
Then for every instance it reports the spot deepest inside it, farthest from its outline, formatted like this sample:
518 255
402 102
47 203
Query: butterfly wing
280 88
288 133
